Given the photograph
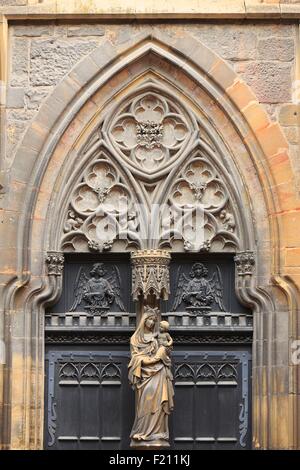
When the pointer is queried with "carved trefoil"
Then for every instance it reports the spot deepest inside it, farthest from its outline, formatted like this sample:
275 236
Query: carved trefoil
150 274
113 204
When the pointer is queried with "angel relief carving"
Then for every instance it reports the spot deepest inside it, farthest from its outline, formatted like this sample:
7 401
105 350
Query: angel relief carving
97 292
198 292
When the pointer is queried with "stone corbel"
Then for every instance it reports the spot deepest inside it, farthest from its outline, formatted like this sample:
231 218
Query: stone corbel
245 262
55 265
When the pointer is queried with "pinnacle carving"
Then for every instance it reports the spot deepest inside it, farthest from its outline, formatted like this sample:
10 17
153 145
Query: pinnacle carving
150 274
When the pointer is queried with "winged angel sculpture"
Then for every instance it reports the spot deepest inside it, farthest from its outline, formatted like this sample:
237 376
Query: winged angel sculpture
98 292
198 292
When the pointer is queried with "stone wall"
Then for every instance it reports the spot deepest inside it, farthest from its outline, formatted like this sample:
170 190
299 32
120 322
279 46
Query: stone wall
40 57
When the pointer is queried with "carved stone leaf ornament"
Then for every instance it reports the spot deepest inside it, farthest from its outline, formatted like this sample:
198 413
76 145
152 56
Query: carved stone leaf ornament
139 142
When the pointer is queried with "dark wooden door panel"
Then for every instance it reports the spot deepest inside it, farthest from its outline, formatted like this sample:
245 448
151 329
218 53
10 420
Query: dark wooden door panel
89 402
91 406
212 399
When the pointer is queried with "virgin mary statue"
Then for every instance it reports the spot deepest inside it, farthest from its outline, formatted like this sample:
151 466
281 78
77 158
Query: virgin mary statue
151 378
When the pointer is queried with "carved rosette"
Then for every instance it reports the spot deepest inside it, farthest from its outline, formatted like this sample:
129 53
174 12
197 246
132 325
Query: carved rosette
150 274
245 263
55 263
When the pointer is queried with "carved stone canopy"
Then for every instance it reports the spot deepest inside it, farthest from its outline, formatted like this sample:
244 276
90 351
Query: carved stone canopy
150 274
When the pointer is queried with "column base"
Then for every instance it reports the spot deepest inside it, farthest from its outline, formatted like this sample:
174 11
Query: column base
149 445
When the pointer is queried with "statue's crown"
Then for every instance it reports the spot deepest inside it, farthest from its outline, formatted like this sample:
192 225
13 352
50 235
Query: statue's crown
150 311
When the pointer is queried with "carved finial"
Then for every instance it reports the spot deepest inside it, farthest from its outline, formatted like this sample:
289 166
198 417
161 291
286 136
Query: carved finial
55 263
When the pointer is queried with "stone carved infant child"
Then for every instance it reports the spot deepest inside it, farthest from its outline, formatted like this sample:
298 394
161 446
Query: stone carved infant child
165 343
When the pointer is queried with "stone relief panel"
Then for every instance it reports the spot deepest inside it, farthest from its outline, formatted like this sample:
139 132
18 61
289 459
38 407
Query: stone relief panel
97 291
126 194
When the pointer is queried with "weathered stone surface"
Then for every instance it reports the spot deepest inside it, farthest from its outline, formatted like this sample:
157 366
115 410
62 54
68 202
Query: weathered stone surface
292 134
13 2
51 59
276 49
234 43
33 30
15 97
289 115
270 81
14 133
86 30
35 96
20 63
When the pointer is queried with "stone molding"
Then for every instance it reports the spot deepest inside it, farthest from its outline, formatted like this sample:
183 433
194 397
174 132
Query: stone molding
223 9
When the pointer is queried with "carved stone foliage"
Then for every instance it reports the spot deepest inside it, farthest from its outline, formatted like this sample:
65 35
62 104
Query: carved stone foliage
212 372
99 372
124 199
97 291
150 130
245 263
55 263
150 274
198 292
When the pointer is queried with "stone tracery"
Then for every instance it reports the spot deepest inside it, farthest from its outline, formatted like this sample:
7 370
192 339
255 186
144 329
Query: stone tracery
150 130
146 135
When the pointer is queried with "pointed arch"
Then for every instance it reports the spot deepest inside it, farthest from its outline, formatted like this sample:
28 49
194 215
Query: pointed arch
253 149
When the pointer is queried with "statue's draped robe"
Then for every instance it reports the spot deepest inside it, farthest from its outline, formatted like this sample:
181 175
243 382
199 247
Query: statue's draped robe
154 389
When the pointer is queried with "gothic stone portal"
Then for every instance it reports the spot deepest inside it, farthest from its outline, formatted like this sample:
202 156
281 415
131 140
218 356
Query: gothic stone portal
151 150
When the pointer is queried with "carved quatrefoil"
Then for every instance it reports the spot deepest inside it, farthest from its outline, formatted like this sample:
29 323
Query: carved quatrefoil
150 132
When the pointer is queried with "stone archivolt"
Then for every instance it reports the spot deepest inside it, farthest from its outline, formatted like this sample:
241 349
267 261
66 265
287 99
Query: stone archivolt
144 139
